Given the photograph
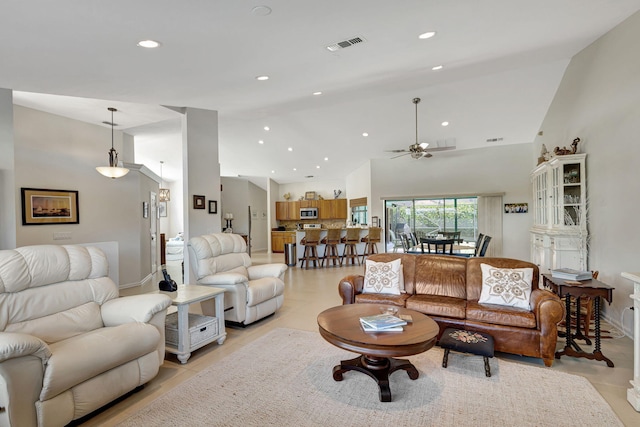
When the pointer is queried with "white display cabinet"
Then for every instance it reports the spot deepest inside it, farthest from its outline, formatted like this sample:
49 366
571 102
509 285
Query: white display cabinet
559 233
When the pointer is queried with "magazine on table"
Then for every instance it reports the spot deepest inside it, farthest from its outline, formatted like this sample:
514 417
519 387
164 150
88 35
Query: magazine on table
382 321
571 274
368 328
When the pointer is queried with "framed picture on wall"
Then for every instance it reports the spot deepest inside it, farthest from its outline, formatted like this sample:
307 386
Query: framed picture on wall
41 206
198 202
162 209
213 206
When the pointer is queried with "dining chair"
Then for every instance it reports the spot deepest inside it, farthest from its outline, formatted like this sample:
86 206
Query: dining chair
406 244
440 246
485 245
478 244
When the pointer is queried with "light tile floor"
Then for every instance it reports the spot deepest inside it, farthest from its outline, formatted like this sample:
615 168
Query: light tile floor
307 293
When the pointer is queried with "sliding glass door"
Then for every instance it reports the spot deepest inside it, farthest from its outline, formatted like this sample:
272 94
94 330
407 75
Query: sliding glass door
430 217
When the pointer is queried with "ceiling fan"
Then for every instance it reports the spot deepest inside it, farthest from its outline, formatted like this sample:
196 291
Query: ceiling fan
418 150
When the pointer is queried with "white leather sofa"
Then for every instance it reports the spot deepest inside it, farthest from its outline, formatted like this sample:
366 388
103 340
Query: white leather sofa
68 343
252 291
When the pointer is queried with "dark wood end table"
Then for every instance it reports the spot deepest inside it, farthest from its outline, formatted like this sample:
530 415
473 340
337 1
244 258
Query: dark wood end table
341 327
567 289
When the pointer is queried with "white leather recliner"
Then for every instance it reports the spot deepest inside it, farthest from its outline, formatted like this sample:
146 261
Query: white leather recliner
68 343
252 291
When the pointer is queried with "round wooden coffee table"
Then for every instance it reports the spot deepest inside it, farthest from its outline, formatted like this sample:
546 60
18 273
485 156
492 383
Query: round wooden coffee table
341 327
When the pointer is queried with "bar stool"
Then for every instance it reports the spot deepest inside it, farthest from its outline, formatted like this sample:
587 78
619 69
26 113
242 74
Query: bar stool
310 241
350 250
331 249
371 241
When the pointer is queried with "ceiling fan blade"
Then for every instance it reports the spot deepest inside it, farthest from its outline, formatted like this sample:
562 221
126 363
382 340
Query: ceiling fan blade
396 151
438 149
427 155
404 154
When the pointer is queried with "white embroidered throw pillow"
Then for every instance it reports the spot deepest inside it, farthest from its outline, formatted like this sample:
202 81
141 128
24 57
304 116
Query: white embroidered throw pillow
506 286
382 277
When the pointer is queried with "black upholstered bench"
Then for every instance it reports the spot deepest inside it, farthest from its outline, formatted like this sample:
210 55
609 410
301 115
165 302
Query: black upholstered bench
463 341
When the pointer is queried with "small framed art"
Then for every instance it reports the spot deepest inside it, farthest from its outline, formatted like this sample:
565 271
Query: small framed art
198 202
162 209
213 206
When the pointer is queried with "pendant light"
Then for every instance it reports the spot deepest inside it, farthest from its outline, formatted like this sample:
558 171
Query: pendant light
112 171
165 193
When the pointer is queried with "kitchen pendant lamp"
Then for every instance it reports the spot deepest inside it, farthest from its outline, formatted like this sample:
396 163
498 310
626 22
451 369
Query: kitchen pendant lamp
112 171
165 193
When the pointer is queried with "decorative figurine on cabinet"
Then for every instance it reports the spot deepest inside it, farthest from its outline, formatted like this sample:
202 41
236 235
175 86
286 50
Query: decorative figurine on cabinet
564 150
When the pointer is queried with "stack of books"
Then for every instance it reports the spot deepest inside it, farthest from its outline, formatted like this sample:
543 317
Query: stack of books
571 274
382 323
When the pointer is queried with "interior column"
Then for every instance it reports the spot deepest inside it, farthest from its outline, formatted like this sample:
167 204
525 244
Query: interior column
7 172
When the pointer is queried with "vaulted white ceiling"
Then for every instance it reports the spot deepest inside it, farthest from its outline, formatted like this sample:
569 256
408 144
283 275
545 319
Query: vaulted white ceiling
502 63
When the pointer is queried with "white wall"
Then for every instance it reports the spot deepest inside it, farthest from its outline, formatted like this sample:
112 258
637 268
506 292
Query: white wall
237 195
503 169
54 152
322 188
260 218
599 101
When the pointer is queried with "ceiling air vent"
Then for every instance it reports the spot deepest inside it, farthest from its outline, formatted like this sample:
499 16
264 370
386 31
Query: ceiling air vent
345 44
494 139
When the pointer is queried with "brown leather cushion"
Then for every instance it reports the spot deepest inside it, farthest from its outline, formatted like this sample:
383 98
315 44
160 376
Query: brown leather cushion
436 305
500 315
382 299
441 275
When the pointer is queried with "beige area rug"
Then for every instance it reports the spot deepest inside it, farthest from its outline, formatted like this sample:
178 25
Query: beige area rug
285 379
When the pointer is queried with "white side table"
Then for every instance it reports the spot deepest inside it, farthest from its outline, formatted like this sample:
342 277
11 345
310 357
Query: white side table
182 298
633 394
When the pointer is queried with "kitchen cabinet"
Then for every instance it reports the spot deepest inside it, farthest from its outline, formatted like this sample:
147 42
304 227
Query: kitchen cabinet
309 203
559 233
288 210
279 238
332 209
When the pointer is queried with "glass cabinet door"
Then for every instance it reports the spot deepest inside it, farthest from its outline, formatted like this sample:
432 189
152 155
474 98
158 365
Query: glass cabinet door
572 195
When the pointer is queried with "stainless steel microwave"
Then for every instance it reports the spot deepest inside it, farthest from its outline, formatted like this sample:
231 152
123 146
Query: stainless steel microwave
308 213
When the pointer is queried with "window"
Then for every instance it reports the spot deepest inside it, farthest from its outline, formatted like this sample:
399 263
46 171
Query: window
429 217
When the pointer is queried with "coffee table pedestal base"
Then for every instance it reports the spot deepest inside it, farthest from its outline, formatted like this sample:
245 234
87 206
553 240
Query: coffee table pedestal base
378 368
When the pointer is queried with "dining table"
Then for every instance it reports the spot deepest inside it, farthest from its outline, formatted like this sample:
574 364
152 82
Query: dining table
464 248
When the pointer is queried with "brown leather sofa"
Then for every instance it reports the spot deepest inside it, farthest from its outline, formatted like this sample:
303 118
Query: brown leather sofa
447 289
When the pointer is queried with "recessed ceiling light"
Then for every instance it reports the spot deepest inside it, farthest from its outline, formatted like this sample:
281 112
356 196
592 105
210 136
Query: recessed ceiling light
273 171
326 159
267 128
437 67
365 134
262 78
445 123
290 149
260 142
427 35
295 169
149 44
318 167
261 10
317 93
